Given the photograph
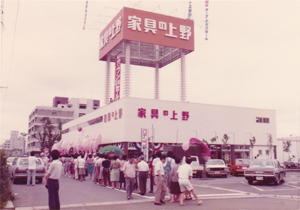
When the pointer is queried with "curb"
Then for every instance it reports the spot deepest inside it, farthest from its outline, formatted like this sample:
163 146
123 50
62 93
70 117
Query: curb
9 205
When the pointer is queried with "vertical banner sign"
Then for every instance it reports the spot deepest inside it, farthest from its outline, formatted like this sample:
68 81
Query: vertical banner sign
206 18
145 144
118 76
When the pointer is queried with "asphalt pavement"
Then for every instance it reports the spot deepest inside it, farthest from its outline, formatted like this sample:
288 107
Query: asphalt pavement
216 193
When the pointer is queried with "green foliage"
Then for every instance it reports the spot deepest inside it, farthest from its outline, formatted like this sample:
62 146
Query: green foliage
49 133
287 145
5 192
205 142
225 140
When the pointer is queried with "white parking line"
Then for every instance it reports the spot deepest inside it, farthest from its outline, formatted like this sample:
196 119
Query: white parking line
294 186
256 188
220 188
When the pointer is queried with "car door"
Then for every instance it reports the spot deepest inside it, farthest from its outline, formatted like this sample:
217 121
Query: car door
13 167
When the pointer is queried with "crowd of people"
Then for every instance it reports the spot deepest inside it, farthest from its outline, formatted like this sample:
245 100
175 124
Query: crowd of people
166 174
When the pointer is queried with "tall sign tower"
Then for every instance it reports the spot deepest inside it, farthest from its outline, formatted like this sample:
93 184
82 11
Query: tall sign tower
145 39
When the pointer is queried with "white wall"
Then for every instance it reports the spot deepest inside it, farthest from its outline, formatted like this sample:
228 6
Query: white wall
204 122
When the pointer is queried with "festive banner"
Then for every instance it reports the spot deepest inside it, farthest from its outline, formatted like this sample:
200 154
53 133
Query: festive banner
145 143
206 18
86 6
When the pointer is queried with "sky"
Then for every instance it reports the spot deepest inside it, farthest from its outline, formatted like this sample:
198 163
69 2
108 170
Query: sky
251 58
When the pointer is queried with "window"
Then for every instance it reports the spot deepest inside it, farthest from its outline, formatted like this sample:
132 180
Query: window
266 120
260 152
81 114
54 113
82 106
267 152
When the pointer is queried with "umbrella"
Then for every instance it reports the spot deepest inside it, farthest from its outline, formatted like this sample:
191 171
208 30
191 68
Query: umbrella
204 149
111 149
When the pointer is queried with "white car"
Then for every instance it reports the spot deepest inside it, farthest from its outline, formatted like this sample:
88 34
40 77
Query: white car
196 166
216 167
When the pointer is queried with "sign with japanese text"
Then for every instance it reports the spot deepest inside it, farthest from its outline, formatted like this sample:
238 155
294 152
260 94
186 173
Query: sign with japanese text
154 113
118 77
145 143
147 27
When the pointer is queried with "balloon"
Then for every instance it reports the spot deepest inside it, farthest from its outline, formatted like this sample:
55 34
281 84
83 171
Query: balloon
79 129
185 146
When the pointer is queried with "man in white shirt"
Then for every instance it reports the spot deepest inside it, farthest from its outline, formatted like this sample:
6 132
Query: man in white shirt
129 171
81 169
32 160
159 181
52 184
143 170
185 174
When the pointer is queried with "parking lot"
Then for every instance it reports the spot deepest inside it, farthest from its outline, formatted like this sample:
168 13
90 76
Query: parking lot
75 194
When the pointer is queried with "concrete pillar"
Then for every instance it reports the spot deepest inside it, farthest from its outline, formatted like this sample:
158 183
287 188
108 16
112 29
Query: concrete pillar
156 82
107 81
127 69
182 78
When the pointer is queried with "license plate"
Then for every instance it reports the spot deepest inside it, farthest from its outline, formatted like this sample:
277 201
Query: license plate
217 172
259 178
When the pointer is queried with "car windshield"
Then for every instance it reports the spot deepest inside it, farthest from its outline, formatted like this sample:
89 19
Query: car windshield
10 160
25 162
215 162
243 162
262 163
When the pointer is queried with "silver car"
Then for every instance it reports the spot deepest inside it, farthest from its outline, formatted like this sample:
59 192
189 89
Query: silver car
268 170
19 168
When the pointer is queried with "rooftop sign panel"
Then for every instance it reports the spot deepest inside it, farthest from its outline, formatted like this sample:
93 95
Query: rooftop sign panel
147 27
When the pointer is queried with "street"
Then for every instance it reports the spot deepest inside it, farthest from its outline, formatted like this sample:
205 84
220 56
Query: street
216 193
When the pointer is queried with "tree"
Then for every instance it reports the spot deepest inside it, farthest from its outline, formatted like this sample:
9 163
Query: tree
48 133
214 139
205 142
225 140
5 184
286 146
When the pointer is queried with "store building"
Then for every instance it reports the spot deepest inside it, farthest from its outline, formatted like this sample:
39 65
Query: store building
136 37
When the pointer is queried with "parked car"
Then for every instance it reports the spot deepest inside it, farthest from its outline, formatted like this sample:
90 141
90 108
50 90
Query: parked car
265 170
196 166
239 166
216 167
20 166
292 163
9 160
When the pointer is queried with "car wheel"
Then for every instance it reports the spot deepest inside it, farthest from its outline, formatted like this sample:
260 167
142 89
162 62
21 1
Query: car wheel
40 180
225 176
250 181
15 180
283 178
207 175
199 174
277 181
